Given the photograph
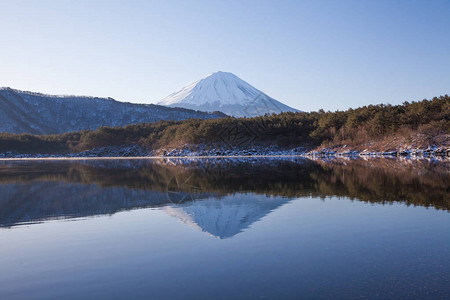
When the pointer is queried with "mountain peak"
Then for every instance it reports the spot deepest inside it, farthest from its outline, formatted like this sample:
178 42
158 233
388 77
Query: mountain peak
221 73
226 92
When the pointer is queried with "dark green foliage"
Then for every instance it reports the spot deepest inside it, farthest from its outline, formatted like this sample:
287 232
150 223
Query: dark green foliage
285 129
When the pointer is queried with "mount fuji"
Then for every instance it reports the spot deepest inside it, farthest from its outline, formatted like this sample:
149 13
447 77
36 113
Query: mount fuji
225 92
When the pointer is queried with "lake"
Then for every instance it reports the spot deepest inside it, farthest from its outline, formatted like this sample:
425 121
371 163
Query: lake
222 228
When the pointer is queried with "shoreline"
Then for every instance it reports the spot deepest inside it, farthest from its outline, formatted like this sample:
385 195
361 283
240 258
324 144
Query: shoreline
305 156
199 151
146 157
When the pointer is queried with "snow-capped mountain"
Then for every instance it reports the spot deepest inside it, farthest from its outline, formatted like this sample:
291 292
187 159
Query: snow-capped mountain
27 112
225 92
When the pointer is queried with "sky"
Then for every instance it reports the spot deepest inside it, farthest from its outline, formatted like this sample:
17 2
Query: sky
307 54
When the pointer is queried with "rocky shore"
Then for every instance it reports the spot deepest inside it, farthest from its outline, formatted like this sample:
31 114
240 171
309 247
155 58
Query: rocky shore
208 150
429 152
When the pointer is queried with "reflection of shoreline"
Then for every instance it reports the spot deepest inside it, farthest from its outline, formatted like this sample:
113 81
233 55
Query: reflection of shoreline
312 157
33 191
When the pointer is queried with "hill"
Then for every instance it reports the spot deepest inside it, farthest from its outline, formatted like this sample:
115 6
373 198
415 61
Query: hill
34 113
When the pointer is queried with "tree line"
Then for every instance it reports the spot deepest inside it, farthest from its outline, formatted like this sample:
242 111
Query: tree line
352 126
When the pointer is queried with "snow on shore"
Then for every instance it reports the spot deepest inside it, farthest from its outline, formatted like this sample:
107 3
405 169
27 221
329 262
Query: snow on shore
211 151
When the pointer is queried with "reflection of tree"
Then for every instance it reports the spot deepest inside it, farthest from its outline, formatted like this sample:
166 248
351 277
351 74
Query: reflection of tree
180 190
414 182
387 181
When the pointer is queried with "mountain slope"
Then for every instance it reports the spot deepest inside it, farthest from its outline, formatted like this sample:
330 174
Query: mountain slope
26 112
225 92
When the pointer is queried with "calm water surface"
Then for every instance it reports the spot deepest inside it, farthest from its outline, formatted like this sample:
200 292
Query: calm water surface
225 228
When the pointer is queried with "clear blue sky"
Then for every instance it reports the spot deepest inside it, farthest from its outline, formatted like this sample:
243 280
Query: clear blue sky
307 54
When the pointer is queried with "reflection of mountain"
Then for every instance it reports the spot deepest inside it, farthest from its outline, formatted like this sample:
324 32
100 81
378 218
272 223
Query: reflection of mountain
37 191
30 203
220 216
227 216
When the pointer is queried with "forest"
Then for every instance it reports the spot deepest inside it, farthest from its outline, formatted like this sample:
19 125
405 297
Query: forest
427 119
